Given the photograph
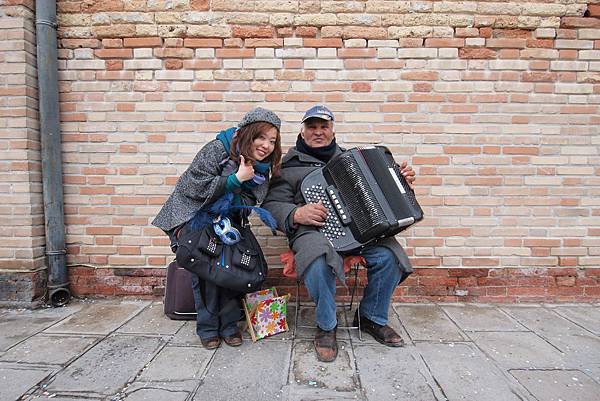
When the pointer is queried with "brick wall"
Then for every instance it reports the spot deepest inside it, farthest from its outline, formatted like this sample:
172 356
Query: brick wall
495 104
22 274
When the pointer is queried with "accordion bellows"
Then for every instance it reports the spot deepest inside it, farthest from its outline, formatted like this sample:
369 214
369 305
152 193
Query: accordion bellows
366 195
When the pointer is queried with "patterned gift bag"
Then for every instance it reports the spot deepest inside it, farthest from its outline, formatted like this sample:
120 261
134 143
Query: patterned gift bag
265 313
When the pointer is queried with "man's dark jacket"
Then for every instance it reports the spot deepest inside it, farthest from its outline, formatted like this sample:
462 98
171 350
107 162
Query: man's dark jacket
307 242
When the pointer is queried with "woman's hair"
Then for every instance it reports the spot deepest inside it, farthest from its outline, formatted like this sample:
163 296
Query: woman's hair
244 138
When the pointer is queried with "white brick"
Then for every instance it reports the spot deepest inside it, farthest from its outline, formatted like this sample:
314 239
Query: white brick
292 42
574 88
265 52
143 53
232 64
205 53
448 52
86 64
323 64
204 75
589 33
174 75
545 33
327 52
508 65
417 53
383 43
152 64
387 52
262 64
589 54
305 52
474 42
573 44
568 65
355 43
83 54
264 74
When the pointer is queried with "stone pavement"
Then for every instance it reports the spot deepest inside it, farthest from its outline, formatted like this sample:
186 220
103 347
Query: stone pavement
127 350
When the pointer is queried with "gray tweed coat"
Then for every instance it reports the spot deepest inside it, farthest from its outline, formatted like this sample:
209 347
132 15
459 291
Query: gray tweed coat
202 183
306 241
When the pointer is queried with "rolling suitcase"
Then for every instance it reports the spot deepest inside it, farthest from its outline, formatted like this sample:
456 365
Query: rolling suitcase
179 297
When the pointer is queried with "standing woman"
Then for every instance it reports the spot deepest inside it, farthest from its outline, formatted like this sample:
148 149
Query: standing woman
239 161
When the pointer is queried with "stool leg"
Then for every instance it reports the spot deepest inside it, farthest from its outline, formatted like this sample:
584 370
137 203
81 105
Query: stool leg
297 308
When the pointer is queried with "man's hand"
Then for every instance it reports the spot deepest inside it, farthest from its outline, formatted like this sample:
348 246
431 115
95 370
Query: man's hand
245 171
408 173
312 214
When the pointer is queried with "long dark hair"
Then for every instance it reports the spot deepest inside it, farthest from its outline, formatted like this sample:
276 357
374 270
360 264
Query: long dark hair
244 138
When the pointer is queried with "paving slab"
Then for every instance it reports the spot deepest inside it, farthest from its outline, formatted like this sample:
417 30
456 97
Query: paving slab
296 393
14 382
518 350
156 394
428 323
464 373
306 328
108 366
152 320
393 374
177 363
579 345
339 375
19 324
100 317
186 335
46 349
558 385
253 371
471 317
587 316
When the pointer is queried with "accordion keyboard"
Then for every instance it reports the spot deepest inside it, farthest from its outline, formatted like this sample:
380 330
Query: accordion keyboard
333 226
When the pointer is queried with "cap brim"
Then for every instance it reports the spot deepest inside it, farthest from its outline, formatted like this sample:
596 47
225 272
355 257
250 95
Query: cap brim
321 116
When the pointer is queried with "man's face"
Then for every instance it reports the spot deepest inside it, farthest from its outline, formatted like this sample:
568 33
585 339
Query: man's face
318 132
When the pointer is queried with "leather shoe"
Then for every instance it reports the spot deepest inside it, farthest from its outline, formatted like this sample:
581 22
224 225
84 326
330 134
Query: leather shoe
326 345
234 340
210 342
383 334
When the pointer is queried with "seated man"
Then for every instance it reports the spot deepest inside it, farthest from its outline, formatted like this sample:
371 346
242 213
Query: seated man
317 263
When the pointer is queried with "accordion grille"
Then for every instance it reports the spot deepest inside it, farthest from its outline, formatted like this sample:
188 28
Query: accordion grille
357 193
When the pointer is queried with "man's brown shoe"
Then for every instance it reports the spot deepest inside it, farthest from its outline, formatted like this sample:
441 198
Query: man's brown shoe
234 340
210 342
326 345
383 334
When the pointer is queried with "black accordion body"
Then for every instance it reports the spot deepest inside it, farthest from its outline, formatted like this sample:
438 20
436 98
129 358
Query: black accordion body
366 196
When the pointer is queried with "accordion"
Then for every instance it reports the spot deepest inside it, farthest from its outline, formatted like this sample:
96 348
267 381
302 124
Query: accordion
366 197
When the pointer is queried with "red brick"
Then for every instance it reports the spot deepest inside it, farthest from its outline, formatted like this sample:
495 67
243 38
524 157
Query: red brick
444 42
142 42
247 31
306 31
474 53
578 22
327 42
114 53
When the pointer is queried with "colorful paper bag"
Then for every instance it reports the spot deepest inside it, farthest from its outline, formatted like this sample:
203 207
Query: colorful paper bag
265 313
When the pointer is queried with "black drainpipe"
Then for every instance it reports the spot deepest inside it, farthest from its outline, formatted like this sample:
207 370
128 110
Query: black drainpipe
47 60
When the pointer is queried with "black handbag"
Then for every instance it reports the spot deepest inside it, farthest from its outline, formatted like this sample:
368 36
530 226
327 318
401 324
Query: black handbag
240 267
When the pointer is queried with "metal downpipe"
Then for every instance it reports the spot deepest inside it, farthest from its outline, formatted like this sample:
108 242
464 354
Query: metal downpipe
47 67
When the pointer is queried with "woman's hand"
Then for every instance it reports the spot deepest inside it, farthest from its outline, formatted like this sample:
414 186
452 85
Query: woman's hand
408 173
245 170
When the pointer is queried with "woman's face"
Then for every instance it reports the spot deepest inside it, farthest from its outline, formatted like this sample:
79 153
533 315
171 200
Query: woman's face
263 145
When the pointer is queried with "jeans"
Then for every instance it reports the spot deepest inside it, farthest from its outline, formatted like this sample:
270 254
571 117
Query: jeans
218 309
383 273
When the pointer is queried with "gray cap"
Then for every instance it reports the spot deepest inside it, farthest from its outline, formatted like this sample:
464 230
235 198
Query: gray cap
260 114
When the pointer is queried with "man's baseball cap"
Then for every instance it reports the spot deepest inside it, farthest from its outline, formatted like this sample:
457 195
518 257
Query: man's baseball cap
318 111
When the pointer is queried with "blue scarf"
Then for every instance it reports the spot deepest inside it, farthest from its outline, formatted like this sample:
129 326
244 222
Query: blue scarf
261 169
